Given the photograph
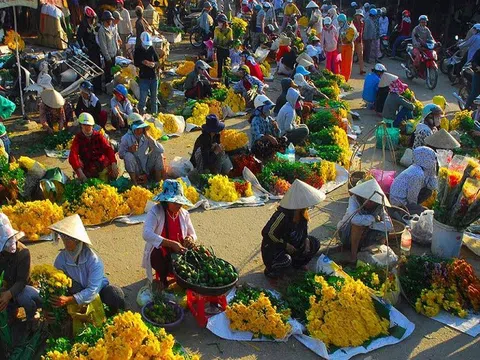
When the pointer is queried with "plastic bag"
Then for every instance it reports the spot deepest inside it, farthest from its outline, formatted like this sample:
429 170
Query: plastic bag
378 255
421 227
384 178
144 295
407 158
92 313
179 167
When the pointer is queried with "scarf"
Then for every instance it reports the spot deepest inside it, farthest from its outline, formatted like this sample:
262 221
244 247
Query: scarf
75 253
11 245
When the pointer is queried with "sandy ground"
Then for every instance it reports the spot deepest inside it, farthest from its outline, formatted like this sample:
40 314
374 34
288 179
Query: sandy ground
235 236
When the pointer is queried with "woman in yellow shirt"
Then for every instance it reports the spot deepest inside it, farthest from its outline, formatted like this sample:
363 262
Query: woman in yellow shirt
345 44
222 40
289 10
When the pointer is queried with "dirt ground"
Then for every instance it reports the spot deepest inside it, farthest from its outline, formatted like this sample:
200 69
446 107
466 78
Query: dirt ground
235 236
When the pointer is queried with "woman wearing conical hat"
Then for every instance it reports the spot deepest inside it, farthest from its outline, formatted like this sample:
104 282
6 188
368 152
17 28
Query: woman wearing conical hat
366 218
285 237
80 263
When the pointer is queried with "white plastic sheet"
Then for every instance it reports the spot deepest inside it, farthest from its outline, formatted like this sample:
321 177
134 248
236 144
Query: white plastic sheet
469 325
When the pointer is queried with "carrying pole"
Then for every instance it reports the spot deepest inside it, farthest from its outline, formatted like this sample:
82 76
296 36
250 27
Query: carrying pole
18 64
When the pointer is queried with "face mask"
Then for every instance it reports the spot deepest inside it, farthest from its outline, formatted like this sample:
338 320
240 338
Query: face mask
220 25
436 120
10 246
267 111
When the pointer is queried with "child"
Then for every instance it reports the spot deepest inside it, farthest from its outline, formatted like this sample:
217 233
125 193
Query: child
235 52
121 107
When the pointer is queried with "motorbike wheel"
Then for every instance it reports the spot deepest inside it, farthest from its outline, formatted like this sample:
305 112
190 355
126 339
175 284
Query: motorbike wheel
408 72
464 92
432 78
451 75
196 37
444 66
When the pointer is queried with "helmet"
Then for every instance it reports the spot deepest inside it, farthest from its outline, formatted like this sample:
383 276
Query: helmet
406 13
89 12
107 15
146 39
476 27
380 67
342 18
383 10
373 12
327 20
267 5
262 100
431 109
86 119
121 89
353 4
257 7
423 18
134 117
86 86
222 18
366 6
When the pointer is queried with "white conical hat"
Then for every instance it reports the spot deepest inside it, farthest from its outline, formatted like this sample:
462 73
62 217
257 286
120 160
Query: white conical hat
72 226
387 79
442 139
370 190
301 196
52 98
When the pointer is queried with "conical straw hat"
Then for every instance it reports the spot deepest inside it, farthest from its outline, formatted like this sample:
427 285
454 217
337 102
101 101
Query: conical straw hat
301 196
387 79
52 98
370 190
442 139
72 226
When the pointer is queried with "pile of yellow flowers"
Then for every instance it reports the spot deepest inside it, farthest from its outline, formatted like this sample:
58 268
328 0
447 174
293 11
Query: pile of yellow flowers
236 102
326 169
457 119
136 199
345 317
98 205
341 139
213 72
63 147
432 300
13 40
170 125
154 131
165 89
189 191
265 67
215 107
199 114
259 317
233 139
26 163
220 188
186 68
239 27
127 337
33 217
178 83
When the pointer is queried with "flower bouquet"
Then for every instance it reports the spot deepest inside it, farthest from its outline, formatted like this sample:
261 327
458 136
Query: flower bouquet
221 188
185 68
239 28
170 124
323 141
232 139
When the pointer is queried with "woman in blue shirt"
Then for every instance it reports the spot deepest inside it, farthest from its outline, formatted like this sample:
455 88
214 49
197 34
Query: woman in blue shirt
79 262
370 86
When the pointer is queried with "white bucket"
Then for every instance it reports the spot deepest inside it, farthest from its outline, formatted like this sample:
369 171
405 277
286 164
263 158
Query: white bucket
446 240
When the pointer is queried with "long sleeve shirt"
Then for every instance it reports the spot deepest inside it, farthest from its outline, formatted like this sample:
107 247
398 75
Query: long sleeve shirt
280 230
286 118
383 23
146 145
369 31
91 106
223 37
249 81
205 143
261 127
329 39
205 22
121 108
393 103
125 25
17 269
88 150
142 54
472 44
139 29
365 218
107 41
406 186
88 272
420 35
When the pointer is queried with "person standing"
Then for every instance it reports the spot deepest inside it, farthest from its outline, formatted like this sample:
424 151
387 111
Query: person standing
369 35
116 20
315 16
205 21
330 44
139 26
222 39
124 26
146 59
346 37
384 22
108 43
475 88
359 25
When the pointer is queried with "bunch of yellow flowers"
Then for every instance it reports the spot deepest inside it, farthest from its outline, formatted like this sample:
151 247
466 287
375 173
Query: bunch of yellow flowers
213 72
215 107
33 217
457 119
169 122
259 317
189 191
165 89
13 40
199 114
154 131
186 68
28 163
265 67
98 205
136 199
221 189
47 275
341 139
326 169
239 27
236 102
438 297
345 317
63 147
233 139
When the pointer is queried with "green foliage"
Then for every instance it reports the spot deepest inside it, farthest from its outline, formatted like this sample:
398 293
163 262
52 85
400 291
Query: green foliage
60 138
171 29
322 137
284 169
320 120
219 94
328 152
467 124
8 176
75 188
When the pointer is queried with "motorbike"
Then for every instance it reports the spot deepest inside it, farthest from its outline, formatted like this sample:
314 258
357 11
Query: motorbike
428 68
466 75
386 44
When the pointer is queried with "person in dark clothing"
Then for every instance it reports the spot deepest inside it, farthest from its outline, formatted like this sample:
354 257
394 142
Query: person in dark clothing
86 37
89 103
288 62
139 26
15 265
285 237
286 83
197 85
475 89
208 154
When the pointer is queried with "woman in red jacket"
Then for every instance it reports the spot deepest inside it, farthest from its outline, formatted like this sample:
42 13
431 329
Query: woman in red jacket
254 67
404 32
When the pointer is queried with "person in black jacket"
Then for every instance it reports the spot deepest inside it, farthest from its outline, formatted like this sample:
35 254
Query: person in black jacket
88 103
285 237
86 37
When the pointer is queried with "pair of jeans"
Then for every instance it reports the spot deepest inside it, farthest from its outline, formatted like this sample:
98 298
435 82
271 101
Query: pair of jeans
474 90
397 42
29 299
148 87
403 114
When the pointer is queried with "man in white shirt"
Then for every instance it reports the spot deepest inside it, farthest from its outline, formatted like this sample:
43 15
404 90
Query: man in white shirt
124 27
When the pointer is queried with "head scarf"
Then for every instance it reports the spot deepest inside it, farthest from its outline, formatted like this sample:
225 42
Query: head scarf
425 157
76 253
300 80
11 245
398 87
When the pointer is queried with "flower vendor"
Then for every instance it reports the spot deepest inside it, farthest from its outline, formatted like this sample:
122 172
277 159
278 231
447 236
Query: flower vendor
208 154
249 86
91 155
142 154
307 89
286 84
442 102
198 83
383 90
15 264
81 264
88 102
287 62
167 229
287 118
431 115
397 108
315 17
330 45
223 39
415 184
285 239
346 37
55 113
366 218
370 85
249 61
121 107
146 58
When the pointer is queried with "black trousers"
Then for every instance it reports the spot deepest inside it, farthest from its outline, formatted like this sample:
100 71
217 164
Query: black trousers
222 56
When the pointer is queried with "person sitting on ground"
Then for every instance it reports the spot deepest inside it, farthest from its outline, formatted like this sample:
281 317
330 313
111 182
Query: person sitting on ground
285 239
249 86
366 219
307 89
370 86
415 184
81 264
208 154
287 119
249 61
121 107
15 266
88 102
91 155
168 230
197 85
396 107
431 115
286 84
142 154
55 112
287 63
283 47
383 90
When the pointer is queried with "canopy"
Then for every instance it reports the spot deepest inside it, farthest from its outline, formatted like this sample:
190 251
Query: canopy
27 3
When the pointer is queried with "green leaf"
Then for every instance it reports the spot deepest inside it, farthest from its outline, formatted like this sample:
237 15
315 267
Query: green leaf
381 308
397 331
